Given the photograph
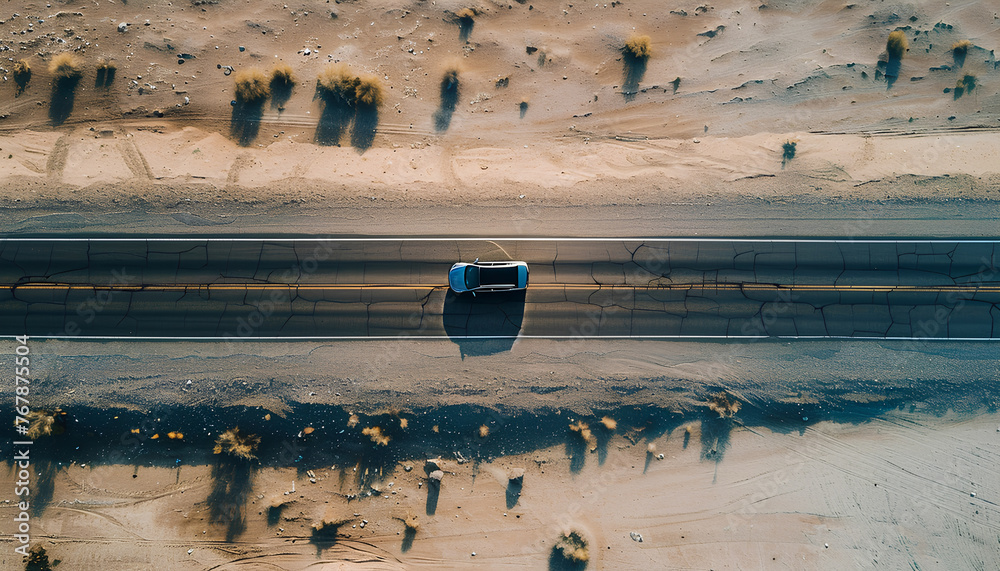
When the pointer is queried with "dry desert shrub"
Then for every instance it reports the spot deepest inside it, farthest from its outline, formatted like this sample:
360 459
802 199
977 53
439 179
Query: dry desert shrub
484 431
65 67
236 444
252 86
337 83
368 92
961 48
38 559
723 405
45 423
965 85
466 21
376 434
609 423
22 75
638 47
583 430
411 522
573 547
897 45
281 83
282 75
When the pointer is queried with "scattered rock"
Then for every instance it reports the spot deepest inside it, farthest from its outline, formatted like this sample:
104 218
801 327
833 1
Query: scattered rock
123 27
636 536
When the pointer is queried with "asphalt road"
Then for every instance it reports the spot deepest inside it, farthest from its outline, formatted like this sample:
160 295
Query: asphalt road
578 288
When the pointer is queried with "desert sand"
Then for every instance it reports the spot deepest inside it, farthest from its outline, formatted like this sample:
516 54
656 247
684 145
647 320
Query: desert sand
853 456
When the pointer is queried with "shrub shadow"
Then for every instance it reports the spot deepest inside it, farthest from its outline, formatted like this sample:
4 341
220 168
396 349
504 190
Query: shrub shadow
559 563
63 96
433 489
465 25
274 515
576 449
334 117
281 92
44 486
634 70
513 492
365 127
959 57
105 77
715 433
232 482
408 537
245 122
324 537
449 101
892 68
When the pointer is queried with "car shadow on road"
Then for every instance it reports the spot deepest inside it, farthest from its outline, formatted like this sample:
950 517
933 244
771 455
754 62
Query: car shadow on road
486 324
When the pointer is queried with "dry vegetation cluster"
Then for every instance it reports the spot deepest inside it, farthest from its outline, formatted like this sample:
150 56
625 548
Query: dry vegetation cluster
338 83
573 547
237 444
638 47
897 45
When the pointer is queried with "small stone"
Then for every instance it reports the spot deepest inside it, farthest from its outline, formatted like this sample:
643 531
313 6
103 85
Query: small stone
243 49
190 551
973 494
636 536
436 476
407 468
123 27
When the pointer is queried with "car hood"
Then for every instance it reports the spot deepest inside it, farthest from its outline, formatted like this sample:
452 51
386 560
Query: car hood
456 277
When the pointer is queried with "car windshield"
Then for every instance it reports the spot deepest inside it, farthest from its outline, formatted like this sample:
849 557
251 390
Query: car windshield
471 277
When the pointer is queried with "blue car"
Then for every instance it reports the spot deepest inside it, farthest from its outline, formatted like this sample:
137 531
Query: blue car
488 276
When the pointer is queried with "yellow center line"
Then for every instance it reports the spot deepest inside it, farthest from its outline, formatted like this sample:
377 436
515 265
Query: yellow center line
585 287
